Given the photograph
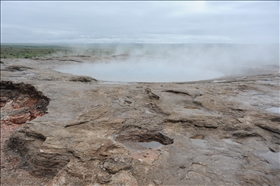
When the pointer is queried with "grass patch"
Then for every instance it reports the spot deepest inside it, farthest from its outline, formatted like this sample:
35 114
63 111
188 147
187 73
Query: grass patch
25 51
28 51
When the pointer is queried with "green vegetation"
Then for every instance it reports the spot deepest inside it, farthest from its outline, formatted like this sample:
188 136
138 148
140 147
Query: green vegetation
26 51
44 50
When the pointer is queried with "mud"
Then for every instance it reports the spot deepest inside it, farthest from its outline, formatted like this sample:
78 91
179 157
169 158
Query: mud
212 132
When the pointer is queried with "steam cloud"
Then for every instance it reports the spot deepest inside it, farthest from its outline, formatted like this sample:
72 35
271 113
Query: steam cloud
146 59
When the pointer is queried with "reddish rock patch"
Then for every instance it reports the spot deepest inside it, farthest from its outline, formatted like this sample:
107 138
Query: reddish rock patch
19 103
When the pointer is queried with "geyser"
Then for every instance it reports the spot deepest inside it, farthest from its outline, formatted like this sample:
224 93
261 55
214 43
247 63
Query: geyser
140 72
171 62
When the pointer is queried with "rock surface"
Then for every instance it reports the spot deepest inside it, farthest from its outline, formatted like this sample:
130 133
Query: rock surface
214 132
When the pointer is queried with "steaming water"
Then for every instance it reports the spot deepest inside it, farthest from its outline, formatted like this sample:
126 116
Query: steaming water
140 72
172 62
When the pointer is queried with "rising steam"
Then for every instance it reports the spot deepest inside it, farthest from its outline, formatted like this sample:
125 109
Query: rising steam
148 59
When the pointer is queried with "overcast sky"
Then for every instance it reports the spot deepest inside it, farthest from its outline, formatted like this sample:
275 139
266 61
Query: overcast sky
140 22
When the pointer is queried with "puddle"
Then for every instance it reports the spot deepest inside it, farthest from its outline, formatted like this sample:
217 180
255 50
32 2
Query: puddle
152 144
273 109
230 141
273 158
199 142
142 71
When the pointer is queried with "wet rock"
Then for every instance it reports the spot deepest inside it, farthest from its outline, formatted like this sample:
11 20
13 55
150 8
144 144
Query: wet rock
245 134
103 177
82 140
115 164
96 149
191 92
275 119
84 79
14 68
270 126
45 161
77 173
151 94
207 122
142 135
198 136
155 108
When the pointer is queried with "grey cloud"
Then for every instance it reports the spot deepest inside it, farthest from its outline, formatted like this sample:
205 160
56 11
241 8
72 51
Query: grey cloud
136 21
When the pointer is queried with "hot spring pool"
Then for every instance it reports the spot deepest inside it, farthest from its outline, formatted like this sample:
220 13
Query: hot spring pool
140 72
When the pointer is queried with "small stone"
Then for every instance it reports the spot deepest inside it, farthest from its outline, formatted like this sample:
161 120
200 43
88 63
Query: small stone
104 178
158 182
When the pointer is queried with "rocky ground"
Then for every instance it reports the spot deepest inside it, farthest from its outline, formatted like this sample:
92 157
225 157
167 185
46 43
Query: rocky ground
61 129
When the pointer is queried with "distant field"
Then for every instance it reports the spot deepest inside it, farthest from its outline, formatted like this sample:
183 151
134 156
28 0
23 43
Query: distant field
24 51
37 51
